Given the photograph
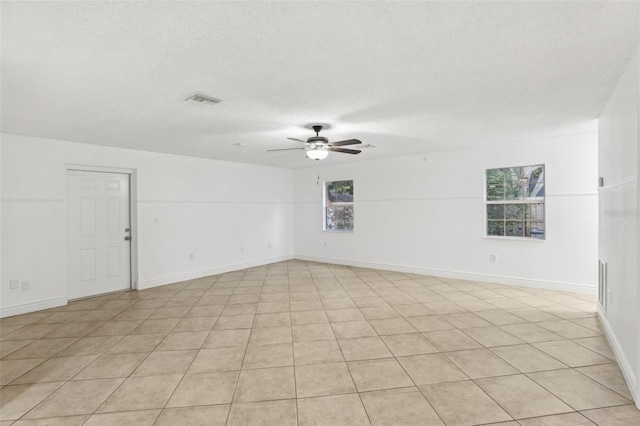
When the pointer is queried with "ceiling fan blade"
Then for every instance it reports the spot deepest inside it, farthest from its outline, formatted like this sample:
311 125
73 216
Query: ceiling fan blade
345 150
347 142
297 140
286 149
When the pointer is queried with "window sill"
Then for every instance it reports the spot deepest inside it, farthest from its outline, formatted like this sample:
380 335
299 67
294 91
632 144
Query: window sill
497 237
339 231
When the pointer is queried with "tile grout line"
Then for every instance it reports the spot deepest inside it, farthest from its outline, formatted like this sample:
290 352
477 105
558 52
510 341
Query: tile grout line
130 374
162 410
413 381
235 388
346 364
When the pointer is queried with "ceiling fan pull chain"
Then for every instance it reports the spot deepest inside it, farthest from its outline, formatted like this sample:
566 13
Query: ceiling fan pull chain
318 171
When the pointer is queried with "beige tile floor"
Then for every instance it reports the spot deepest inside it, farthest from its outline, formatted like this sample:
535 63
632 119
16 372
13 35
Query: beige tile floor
314 344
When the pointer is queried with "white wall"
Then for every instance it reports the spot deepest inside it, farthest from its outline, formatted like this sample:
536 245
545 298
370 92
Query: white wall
0 212
619 219
427 216
209 208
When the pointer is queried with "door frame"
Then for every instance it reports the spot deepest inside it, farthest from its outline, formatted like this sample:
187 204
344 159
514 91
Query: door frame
133 211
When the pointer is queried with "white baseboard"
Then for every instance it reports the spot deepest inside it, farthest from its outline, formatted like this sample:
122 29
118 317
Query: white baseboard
143 285
25 308
498 279
628 371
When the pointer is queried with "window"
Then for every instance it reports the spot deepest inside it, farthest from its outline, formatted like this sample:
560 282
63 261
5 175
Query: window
515 202
338 206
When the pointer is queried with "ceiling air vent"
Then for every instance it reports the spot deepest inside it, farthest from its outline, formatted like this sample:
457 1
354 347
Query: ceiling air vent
203 99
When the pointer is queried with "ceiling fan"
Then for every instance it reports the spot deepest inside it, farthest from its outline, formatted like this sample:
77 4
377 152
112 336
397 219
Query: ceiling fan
318 147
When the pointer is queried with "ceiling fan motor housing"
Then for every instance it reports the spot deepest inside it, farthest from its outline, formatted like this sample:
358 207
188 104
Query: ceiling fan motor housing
320 140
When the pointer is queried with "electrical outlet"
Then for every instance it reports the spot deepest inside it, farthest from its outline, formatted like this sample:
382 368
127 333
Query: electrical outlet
191 256
26 285
155 220
241 249
14 284
269 245
493 258
325 243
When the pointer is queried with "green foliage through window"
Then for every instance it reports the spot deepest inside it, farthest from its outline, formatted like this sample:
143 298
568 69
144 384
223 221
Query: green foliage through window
338 206
515 199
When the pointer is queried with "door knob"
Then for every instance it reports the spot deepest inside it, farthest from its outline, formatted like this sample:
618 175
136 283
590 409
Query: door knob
127 229
127 238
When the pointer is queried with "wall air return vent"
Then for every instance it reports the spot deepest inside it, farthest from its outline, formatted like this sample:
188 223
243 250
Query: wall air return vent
603 286
203 99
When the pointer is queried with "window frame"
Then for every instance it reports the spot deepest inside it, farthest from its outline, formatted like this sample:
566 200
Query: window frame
506 202
325 228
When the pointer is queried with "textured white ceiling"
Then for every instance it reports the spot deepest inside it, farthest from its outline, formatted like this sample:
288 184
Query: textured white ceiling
407 77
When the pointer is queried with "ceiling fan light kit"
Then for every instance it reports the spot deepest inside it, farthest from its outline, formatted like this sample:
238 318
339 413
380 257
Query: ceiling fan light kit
318 147
317 154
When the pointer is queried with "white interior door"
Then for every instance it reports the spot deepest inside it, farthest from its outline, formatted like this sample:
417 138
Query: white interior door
99 233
